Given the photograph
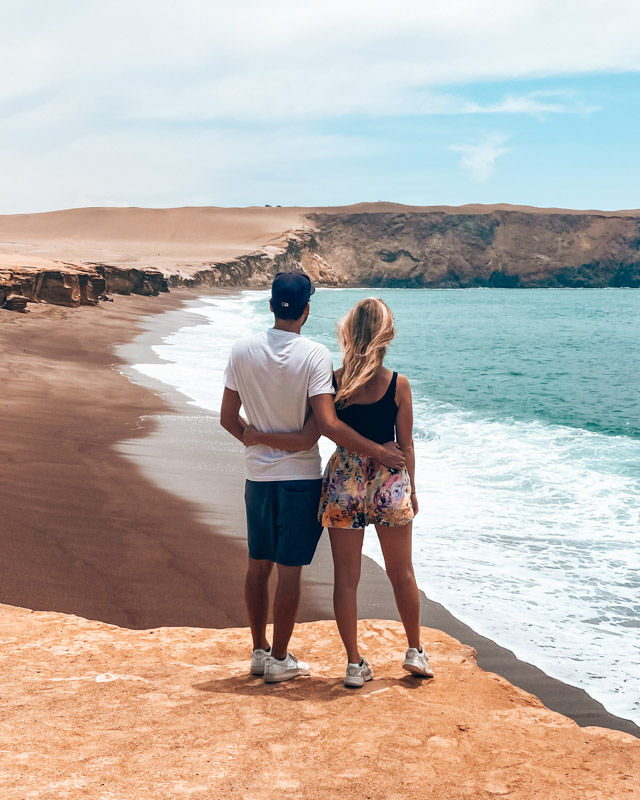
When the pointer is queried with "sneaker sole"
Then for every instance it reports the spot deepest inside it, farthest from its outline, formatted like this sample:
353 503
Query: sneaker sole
417 671
257 670
285 676
356 683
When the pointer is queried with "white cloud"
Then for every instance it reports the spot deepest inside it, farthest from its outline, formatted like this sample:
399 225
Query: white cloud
255 60
479 159
159 101
539 104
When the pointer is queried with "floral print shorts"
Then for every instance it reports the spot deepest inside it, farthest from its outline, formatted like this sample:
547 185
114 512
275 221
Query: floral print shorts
358 491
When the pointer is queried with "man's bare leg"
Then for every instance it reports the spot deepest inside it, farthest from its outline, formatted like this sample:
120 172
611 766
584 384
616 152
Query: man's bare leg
256 595
285 608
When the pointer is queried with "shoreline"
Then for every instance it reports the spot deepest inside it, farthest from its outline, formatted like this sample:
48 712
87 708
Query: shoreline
375 598
153 520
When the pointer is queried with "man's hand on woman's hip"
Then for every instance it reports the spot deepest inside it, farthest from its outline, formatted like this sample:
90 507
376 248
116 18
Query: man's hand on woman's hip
392 456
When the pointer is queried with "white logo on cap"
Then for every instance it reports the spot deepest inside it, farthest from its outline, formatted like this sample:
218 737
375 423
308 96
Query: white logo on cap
284 304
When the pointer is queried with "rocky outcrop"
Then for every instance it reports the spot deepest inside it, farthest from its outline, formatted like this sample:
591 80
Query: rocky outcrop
127 280
15 302
442 249
74 286
376 244
498 248
299 252
92 710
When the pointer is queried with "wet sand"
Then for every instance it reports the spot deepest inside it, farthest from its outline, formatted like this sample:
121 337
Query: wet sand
124 505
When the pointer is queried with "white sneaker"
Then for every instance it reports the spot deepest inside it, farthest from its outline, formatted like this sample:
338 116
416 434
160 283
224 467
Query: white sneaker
417 662
276 669
257 660
357 674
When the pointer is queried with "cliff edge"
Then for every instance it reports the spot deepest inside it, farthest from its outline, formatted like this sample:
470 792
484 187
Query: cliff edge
79 256
495 247
96 711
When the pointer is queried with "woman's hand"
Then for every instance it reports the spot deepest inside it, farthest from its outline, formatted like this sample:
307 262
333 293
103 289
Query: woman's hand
250 436
414 502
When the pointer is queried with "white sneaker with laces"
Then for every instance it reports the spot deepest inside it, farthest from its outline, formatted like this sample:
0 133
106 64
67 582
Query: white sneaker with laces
276 669
357 674
258 658
417 662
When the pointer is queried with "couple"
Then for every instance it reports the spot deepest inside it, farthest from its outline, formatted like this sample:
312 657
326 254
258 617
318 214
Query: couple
289 392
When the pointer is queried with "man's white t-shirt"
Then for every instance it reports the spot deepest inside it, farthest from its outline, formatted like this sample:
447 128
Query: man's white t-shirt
275 372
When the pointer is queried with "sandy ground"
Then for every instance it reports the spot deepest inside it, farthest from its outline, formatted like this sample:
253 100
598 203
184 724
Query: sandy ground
143 237
82 530
95 711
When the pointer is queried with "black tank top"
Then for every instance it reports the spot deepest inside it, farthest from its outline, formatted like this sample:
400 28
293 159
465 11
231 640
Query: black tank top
375 421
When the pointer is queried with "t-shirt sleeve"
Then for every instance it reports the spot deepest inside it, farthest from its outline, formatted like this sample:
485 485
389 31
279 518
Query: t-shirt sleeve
229 377
321 375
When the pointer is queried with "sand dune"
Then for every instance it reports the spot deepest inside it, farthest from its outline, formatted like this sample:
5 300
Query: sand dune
177 236
152 237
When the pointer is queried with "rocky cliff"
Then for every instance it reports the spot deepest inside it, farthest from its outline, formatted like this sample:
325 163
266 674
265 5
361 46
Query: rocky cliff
95 711
498 248
74 285
74 257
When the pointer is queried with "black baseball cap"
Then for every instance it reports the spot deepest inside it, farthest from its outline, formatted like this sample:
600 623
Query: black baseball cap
290 293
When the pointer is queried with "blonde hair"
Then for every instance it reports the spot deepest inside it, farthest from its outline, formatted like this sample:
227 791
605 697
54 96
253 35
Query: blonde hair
364 334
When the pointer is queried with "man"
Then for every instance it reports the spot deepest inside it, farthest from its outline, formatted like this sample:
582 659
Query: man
276 375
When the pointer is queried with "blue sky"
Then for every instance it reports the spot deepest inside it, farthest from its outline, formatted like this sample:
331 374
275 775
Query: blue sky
198 102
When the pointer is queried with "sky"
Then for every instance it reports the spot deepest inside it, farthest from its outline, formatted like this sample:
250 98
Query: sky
254 102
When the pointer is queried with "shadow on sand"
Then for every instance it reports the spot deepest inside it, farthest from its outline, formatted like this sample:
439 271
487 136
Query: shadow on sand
309 688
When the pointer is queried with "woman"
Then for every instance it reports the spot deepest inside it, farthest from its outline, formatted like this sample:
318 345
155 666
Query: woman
358 491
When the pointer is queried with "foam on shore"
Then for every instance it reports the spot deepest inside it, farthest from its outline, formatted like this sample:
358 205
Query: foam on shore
520 520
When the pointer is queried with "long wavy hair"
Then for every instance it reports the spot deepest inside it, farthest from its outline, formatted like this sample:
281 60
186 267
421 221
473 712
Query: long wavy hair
364 335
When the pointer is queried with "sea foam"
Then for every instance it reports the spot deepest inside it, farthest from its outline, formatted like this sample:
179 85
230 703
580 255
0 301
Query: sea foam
528 531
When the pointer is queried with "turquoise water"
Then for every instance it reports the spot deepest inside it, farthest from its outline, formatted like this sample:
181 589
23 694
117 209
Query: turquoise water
527 422
565 357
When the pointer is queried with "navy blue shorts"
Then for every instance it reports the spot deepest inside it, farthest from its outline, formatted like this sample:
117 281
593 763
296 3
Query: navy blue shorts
282 520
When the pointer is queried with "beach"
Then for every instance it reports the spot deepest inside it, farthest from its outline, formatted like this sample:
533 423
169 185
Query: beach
468 171
475 476
155 538
124 506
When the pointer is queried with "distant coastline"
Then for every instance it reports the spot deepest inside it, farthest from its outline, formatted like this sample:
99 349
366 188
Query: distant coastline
80 256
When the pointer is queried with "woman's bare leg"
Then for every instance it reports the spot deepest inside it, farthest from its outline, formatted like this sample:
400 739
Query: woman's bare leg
396 549
346 547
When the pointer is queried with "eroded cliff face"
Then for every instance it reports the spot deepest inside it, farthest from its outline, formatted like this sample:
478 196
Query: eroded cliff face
374 244
71 285
299 251
498 249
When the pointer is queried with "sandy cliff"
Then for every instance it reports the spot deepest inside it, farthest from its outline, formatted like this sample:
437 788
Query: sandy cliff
95 711
74 257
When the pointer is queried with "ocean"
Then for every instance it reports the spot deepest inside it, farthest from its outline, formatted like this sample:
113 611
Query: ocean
527 427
